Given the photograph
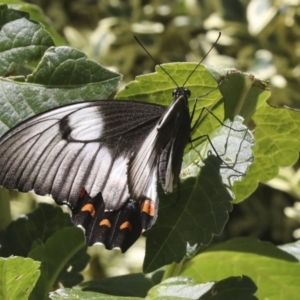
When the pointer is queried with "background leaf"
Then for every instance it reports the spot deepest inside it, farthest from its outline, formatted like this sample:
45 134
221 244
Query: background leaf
21 41
15 283
36 14
275 272
57 254
41 224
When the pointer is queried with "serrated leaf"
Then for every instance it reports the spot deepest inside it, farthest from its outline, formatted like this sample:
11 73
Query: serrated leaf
56 81
72 294
232 143
275 272
18 277
277 145
22 41
277 130
55 256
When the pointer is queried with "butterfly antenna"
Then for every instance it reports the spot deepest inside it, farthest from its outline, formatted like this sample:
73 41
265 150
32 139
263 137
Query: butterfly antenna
155 60
214 44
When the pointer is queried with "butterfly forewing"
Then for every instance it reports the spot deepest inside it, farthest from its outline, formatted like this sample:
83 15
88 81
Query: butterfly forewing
101 158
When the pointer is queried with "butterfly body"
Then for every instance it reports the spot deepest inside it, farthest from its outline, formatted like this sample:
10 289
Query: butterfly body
103 159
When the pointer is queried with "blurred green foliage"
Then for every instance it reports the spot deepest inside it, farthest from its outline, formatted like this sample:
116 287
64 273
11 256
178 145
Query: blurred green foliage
258 36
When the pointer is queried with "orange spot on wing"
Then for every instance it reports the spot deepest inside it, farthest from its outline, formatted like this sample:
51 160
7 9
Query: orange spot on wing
89 208
125 225
148 207
105 222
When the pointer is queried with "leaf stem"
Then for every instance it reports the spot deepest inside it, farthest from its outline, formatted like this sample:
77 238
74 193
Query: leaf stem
173 270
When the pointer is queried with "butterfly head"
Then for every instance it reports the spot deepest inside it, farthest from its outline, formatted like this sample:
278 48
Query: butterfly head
184 92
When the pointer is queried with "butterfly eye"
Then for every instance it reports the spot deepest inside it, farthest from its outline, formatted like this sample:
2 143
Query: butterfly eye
187 93
174 93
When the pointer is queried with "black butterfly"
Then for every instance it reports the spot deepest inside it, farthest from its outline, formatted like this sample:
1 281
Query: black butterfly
103 159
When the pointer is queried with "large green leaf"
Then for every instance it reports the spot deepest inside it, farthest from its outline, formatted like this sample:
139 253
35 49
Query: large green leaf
18 277
179 288
275 272
158 88
175 231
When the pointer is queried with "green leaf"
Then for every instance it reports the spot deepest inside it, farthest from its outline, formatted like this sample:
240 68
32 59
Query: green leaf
7 15
55 256
132 285
38 225
21 41
63 76
203 202
18 277
277 130
277 145
158 88
72 294
275 272
243 94
67 67
37 15
241 288
190 222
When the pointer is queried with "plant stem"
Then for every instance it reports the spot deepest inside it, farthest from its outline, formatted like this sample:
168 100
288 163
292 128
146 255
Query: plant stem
5 214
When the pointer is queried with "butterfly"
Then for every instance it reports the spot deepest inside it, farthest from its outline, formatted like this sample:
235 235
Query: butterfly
103 159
